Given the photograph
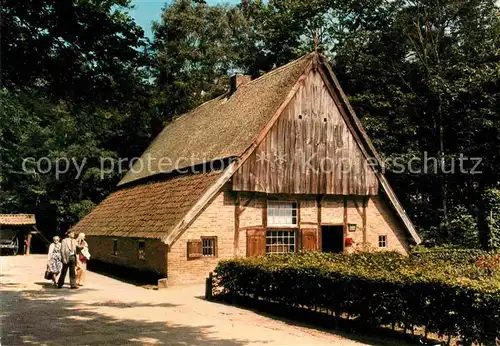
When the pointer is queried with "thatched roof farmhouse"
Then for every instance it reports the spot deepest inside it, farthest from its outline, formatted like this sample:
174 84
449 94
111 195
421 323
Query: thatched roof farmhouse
277 164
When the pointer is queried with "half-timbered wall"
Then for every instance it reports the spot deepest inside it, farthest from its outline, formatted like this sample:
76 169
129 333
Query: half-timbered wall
309 150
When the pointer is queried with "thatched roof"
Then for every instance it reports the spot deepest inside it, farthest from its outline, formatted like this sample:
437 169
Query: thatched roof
17 219
146 211
220 128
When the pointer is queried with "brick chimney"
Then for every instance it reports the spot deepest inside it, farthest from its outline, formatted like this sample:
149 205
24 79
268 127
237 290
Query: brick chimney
238 80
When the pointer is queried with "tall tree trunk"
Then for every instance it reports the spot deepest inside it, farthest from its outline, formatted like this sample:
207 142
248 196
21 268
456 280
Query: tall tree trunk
441 173
482 217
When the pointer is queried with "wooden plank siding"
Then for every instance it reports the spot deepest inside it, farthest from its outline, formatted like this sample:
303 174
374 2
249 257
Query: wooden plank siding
309 150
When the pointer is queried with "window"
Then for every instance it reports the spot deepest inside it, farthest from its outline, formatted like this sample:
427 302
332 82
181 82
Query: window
382 241
281 213
194 248
142 250
280 241
115 247
208 246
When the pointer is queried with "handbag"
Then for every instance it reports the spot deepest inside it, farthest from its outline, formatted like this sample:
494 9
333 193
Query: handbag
85 254
47 275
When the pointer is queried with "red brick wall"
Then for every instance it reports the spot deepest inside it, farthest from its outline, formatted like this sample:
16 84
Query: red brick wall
101 248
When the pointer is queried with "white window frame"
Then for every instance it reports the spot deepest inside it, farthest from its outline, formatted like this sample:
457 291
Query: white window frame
284 240
280 209
382 241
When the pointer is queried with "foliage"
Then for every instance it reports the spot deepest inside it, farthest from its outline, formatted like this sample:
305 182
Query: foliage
82 51
462 227
34 128
492 210
456 298
75 87
194 49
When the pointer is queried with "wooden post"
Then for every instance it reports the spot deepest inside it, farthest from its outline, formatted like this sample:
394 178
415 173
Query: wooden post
264 213
318 241
208 286
28 244
237 213
345 223
365 203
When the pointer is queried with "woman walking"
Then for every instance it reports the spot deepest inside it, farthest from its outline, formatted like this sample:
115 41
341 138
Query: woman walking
54 262
82 257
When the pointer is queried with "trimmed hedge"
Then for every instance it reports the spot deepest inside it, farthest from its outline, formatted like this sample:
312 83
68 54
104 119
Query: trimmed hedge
446 296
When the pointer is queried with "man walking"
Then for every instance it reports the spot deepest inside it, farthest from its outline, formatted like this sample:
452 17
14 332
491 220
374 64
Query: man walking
68 257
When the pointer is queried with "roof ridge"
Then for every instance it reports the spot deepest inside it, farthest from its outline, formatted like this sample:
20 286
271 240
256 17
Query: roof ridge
272 72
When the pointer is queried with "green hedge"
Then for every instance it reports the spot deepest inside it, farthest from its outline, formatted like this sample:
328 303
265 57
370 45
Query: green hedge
458 298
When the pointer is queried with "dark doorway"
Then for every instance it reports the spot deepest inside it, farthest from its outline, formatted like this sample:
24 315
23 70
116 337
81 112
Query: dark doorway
332 239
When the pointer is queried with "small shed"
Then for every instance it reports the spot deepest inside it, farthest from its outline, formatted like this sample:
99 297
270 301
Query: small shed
16 231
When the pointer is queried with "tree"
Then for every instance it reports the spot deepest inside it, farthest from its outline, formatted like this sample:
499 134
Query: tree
83 51
76 89
195 48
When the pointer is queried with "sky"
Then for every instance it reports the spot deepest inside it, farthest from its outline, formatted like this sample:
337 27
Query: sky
147 11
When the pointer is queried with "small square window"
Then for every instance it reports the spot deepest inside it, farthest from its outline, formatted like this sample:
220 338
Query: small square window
382 241
141 253
208 246
115 247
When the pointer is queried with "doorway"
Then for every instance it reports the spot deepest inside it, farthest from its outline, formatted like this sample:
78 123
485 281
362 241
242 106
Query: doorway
332 239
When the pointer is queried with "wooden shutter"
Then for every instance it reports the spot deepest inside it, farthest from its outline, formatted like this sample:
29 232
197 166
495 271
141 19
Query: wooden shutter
256 242
309 239
194 248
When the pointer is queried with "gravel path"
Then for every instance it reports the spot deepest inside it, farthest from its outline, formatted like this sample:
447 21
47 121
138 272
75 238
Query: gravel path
111 312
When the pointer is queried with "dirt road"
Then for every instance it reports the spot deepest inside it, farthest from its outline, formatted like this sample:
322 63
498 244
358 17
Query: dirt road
110 312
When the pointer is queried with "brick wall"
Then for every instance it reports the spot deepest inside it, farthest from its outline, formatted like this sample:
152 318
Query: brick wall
251 214
101 248
308 211
217 219
355 216
251 207
332 210
381 220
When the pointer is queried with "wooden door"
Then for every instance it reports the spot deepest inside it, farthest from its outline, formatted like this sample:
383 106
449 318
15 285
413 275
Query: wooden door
256 242
309 239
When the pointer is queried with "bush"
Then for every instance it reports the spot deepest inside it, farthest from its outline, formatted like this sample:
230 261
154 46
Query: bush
492 204
380 288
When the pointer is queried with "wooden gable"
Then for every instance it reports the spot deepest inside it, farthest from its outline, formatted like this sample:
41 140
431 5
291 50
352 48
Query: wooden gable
308 150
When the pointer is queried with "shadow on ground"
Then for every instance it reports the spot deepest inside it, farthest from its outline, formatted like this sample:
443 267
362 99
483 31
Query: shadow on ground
53 316
124 274
350 329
